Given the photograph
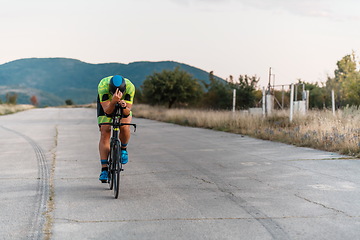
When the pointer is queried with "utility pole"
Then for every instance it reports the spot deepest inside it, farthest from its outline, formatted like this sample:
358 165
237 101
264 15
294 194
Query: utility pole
269 84
269 100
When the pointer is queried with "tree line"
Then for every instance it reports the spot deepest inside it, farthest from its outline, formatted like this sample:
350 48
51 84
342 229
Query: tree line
11 98
177 88
345 83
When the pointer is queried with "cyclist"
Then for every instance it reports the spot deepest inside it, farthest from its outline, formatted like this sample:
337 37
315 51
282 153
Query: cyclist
112 90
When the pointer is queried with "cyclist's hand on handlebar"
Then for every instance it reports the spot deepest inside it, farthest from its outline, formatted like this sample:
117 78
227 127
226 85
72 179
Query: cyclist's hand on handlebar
126 110
122 103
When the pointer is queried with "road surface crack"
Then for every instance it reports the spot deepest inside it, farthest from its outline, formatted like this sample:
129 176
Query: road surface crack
323 205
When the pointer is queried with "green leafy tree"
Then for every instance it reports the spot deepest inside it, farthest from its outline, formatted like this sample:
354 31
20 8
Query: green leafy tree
245 91
170 87
218 94
352 90
11 98
346 82
319 96
281 98
139 96
258 98
69 102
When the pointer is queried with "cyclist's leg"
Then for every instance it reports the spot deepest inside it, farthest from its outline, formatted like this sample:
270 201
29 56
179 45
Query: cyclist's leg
104 123
125 130
124 138
104 142
104 149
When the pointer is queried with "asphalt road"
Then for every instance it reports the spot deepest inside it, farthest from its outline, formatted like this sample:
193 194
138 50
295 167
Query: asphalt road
180 183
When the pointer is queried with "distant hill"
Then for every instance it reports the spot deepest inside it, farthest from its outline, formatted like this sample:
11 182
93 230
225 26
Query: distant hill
53 80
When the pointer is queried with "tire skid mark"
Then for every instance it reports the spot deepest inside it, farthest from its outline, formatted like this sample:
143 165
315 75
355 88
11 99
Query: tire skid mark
270 224
37 219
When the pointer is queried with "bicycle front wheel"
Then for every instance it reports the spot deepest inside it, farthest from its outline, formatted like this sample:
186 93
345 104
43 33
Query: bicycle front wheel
111 174
117 179
116 169
111 167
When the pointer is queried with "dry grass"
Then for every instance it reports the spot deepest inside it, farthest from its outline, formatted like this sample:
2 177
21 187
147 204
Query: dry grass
11 108
318 129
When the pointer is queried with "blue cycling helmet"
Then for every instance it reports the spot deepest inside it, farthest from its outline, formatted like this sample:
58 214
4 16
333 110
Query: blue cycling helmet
117 82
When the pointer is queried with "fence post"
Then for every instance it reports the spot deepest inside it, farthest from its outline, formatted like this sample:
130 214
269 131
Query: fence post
307 100
333 101
292 102
264 102
282 97
234 100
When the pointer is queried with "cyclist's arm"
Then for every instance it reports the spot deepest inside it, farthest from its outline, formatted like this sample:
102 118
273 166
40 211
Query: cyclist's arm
129 105
109 105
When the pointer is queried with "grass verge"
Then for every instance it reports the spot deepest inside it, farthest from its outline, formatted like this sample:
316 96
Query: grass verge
12 108
317 129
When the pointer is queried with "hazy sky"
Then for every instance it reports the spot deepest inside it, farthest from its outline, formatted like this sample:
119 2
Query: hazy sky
297 38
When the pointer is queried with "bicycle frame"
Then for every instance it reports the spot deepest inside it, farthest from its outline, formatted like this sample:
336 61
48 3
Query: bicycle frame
115 165
116 121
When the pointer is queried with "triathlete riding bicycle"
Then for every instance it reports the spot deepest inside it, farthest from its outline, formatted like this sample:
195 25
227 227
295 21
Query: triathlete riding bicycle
112 90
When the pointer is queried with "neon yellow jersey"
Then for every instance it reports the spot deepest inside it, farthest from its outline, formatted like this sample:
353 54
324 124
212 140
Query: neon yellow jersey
105 95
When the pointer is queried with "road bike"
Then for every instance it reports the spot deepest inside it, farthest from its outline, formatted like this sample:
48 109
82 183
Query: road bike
115 163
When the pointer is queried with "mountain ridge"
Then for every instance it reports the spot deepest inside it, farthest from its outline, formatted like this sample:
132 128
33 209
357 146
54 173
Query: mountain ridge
67 78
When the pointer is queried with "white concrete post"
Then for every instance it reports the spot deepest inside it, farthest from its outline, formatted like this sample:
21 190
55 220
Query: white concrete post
292 102
234 100
333 101
269 104
264 101
307 99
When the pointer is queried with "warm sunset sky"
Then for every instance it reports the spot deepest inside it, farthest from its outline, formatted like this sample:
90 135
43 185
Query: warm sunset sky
297 38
